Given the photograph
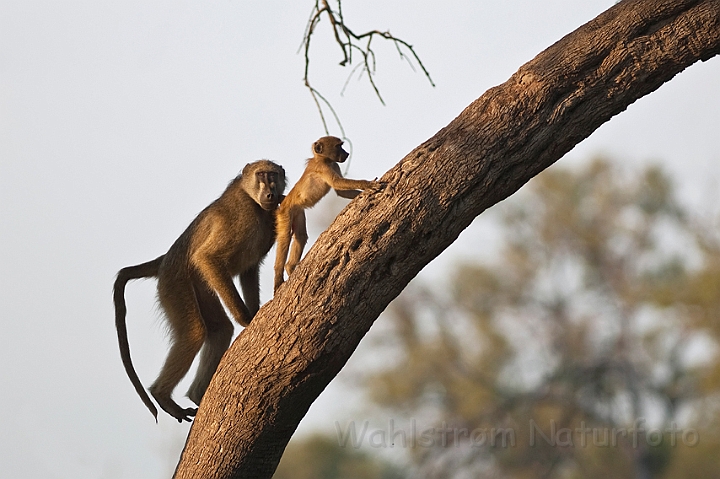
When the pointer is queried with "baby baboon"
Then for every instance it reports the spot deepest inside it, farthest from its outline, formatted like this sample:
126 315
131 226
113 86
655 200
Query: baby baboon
228 238
321 173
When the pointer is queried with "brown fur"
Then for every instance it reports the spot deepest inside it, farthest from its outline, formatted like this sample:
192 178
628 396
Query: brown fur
228 238
321 173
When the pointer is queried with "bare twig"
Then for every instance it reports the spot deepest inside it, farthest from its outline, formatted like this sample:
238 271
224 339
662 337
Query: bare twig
349 42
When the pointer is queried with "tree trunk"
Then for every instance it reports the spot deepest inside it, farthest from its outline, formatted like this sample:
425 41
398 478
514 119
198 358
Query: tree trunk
301 339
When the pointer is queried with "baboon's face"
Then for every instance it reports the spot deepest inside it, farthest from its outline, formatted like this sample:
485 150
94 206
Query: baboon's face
330 147
269 185
340 155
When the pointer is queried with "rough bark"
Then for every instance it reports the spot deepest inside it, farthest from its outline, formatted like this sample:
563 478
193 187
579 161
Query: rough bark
301 339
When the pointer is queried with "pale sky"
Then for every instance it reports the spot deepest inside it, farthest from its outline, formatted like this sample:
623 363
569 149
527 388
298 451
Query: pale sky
120 121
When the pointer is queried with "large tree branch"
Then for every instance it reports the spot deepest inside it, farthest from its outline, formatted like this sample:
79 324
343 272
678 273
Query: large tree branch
302 338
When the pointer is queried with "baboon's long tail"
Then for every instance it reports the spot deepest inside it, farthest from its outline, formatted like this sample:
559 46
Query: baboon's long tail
144 270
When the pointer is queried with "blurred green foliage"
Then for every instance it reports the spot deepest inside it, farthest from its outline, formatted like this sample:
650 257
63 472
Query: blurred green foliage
600 315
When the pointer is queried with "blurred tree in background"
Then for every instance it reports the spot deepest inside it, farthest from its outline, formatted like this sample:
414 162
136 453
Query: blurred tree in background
320 457
593 338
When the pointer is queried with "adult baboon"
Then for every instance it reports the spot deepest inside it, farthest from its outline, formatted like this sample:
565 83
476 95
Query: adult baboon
228 238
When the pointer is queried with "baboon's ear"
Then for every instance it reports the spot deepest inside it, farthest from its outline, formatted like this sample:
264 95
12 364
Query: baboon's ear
317 147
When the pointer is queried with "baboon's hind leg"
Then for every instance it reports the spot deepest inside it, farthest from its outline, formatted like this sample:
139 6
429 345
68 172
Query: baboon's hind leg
187 336
219 330
299 228
283 228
